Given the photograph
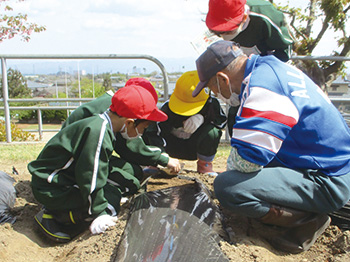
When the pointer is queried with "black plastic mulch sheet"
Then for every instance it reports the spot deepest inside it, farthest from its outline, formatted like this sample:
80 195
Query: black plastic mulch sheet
7 198
173 224
341 218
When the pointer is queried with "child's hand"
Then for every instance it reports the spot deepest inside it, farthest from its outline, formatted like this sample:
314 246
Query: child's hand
174 165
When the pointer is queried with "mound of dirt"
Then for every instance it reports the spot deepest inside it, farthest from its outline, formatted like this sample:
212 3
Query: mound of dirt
22 241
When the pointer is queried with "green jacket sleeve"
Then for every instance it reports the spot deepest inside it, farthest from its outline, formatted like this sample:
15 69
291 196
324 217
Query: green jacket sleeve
137 152
153 133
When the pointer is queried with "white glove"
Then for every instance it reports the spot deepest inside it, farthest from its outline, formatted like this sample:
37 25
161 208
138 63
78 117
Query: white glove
180 133
101 223
193 122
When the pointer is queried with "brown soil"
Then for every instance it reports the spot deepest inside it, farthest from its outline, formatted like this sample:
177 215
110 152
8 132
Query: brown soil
22 242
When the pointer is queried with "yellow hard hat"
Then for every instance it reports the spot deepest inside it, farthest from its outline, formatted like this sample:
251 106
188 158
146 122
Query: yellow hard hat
181 101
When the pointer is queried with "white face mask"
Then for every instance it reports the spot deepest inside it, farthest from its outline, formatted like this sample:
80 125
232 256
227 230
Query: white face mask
234 98
125 133
223 99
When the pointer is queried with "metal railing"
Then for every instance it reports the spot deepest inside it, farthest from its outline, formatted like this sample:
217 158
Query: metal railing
320 58
40 130
6 99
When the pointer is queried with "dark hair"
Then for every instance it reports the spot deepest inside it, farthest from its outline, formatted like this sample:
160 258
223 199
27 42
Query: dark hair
114 113
139 121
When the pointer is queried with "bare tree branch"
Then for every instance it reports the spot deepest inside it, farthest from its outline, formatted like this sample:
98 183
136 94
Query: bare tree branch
323 30
303 24
334 68
311 20
292 25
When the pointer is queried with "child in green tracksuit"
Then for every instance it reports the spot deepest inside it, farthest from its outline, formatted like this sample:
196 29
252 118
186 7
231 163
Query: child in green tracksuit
134 150
256 25
78 180
193 128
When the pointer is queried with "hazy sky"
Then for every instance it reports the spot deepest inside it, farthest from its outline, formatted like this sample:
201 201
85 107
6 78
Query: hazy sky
160 28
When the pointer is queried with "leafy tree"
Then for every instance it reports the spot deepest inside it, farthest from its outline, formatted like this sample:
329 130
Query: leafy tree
17 88
11 25
61 95
17 85
107 81
333 16
86 87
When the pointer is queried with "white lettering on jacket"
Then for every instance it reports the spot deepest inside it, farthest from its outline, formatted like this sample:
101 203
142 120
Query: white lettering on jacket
299 83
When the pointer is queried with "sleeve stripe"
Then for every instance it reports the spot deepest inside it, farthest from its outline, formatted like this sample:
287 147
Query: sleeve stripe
154 149
52 175
258 138
112 209
274 116
96 162
260 99
97 156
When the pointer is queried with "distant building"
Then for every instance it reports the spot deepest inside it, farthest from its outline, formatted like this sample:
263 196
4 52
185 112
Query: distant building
31 77
131 75
81 72
35 85
339 86
39 89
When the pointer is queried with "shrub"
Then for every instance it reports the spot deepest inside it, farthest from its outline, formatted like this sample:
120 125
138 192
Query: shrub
17 134
54 116
48 116
25 115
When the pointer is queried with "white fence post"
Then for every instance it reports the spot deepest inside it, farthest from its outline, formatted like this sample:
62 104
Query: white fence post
5 94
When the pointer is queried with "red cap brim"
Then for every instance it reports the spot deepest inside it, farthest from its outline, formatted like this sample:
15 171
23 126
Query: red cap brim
157 116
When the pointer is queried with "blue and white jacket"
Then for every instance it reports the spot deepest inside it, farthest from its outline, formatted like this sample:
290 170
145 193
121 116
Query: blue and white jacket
286 120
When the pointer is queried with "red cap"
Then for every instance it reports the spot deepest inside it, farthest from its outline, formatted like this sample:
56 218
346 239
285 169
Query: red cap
225 15
135 101
144 83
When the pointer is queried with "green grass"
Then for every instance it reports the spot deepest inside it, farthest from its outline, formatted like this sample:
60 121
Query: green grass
223 150
30 151
20 152
36 126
